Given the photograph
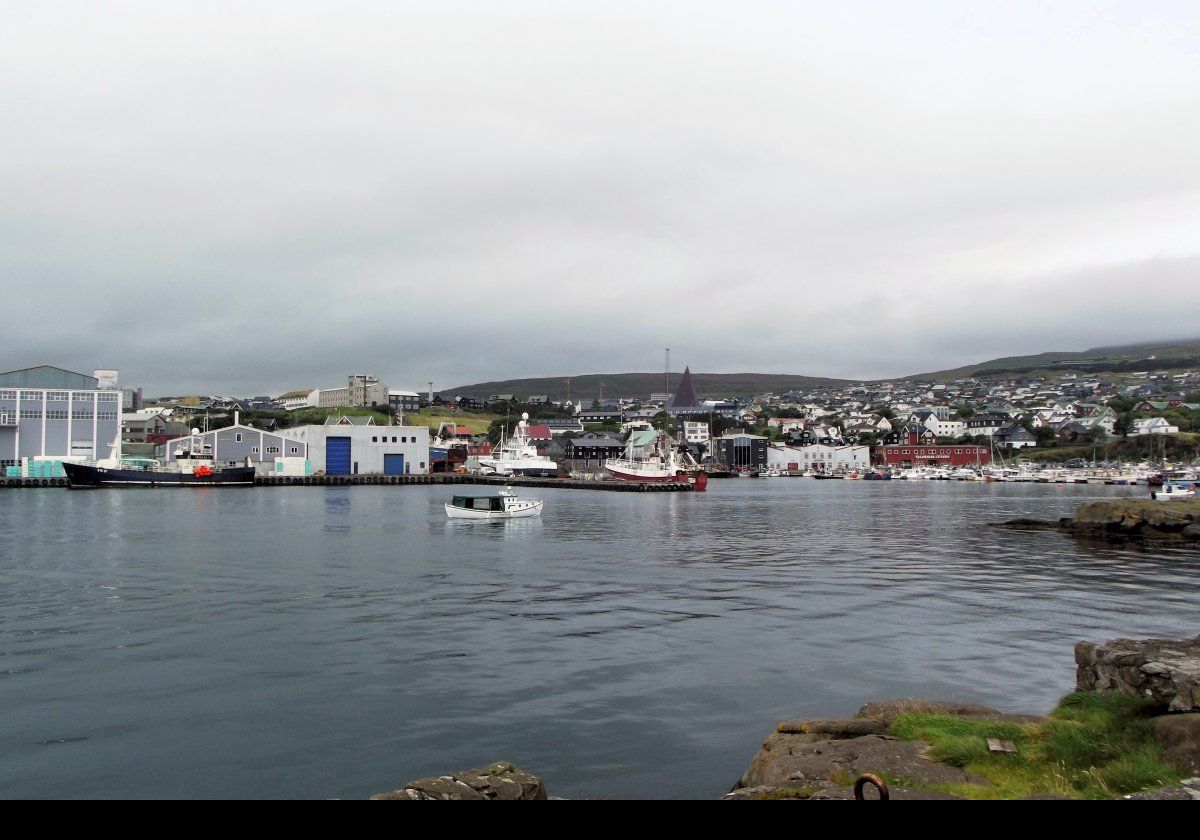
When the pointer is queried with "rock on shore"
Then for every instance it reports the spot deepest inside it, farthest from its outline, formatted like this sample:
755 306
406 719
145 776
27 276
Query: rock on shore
502 780
1139 519
1166 672
820 758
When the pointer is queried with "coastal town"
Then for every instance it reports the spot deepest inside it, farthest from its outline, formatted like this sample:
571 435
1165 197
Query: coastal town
1116 427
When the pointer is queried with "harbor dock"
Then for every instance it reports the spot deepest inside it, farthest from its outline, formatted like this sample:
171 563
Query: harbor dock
406 480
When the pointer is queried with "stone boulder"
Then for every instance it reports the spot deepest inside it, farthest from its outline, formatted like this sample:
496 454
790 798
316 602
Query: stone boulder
1180 739
1134 517
1166 672
501 780
819 758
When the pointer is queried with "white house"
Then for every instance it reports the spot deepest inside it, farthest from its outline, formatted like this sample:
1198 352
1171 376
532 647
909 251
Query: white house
1153 426
303 398
785 424
945 428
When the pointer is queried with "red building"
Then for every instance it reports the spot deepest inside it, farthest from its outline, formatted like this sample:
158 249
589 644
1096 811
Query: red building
924 451
949 455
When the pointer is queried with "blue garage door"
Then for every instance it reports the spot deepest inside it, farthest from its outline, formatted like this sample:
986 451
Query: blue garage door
337 456
393 465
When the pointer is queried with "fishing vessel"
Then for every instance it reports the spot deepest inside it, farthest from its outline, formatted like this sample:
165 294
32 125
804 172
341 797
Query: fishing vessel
666 461
502 505
193 467
518 456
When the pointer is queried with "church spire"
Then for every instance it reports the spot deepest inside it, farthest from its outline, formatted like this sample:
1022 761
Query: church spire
685 396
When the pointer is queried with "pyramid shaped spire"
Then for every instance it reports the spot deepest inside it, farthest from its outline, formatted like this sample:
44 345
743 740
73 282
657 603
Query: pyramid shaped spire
685 396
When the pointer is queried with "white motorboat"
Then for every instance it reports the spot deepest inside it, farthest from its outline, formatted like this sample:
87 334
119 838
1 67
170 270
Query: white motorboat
502 505
1169 492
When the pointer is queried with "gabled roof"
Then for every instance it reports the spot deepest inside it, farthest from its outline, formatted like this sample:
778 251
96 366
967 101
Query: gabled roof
349 420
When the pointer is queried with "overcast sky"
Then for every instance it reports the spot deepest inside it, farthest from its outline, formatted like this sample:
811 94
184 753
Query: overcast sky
254 197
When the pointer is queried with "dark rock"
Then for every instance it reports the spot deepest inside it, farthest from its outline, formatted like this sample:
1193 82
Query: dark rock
501 780
827 791
1134 517
1028 525
1165 672
1180 739
1191 532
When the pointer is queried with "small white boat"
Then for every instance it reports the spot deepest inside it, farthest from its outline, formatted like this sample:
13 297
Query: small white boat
1174 491
502 505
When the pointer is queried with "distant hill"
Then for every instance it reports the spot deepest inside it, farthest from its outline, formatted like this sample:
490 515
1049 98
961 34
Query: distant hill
642 385
1165 355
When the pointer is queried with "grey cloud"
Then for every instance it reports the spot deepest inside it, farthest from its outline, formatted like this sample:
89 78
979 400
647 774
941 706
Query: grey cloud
251 198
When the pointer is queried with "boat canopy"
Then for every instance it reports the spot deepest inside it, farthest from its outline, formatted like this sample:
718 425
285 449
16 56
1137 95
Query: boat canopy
479 502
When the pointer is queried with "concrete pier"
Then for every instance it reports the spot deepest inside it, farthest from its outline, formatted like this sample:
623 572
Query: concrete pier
406 480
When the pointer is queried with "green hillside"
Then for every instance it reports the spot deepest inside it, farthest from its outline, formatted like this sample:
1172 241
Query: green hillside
642 385
1167 355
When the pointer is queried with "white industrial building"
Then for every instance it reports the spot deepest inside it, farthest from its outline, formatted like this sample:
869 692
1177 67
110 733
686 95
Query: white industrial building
819 457
337 449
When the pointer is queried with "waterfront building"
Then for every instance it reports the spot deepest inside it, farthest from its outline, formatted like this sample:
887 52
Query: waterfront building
590 453
48 413
739 449
820 457
270 453
352 449
905 455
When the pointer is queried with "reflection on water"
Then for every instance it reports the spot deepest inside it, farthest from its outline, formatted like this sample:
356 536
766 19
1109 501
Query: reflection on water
339 641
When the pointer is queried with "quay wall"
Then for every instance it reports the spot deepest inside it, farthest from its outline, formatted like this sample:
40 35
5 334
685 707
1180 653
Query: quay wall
403 480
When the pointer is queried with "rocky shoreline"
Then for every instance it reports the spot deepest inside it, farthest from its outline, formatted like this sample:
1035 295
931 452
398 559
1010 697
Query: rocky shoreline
1125 520
1136 710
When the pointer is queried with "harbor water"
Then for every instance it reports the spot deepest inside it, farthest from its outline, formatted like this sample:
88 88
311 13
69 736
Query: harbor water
339 641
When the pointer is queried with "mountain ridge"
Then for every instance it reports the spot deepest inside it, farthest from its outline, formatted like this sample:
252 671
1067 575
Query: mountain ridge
1166 355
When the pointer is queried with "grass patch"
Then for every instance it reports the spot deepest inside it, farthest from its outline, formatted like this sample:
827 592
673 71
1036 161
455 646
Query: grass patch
434 418
1092 746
